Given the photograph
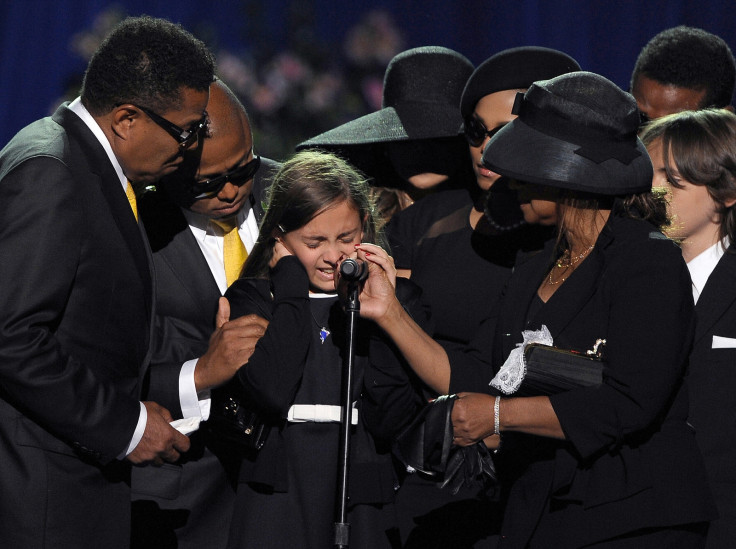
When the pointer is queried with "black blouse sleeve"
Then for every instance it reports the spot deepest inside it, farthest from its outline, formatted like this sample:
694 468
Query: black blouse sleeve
392 394
271 378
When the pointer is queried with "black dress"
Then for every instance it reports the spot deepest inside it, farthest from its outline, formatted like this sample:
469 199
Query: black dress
287 492
460 272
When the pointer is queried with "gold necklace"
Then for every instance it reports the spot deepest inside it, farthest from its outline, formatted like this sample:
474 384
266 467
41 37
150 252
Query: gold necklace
565 262
570 261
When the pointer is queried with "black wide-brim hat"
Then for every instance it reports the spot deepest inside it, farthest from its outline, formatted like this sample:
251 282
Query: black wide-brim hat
421 97
577 132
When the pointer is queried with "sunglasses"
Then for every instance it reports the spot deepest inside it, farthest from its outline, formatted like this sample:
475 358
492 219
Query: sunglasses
238 177
185 138
475 132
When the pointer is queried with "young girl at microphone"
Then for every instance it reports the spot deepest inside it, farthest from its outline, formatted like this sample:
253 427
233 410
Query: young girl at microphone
318 214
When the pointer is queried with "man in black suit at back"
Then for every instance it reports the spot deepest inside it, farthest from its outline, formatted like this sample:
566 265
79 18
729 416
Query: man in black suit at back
219 189
77 291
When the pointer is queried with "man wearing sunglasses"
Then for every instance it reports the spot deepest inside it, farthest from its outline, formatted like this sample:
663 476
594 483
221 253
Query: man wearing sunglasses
77 293
218 188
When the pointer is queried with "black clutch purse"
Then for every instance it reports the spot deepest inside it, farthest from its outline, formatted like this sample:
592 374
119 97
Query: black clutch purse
232 419
550 370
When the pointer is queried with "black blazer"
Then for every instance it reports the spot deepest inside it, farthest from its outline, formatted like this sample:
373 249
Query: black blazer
630 460
76 293
198 489
712 381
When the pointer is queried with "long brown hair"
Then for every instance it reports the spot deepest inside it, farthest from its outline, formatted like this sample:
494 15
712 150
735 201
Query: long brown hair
307 184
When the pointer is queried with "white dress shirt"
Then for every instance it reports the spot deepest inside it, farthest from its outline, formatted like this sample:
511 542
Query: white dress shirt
702 265
211 240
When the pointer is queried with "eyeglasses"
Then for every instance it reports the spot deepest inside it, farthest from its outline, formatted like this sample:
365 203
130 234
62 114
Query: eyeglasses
238 177
185 138
476 132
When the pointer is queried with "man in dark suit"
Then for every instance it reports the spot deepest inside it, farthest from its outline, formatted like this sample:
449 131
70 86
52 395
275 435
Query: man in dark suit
189 504
77 289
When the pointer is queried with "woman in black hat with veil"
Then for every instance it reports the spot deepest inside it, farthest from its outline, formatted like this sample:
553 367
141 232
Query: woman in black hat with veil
412 146
607 465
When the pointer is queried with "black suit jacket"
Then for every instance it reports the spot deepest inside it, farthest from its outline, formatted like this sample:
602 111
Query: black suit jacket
190 502
629 460
76 294
712 383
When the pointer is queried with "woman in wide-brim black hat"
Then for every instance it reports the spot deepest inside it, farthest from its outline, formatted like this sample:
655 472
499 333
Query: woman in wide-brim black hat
613 464
413 143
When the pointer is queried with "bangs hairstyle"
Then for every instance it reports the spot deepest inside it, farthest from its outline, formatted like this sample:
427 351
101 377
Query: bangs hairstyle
700 147
306 185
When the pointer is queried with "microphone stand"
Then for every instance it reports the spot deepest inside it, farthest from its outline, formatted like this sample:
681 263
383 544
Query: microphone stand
353 272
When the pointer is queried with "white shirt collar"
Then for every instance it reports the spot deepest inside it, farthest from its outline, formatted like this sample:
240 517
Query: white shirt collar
81 111
702 265
202 226
321 295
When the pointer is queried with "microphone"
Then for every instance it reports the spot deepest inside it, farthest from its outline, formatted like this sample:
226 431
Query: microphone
353 270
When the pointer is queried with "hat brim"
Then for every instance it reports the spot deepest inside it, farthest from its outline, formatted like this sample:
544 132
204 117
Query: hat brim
416 121
525 154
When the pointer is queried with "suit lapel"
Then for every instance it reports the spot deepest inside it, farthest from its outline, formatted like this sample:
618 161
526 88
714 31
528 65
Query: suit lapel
718 295
572 296
184 258
113 192
261 182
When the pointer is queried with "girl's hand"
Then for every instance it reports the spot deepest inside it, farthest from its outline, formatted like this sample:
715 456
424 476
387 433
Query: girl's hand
377 294
279 251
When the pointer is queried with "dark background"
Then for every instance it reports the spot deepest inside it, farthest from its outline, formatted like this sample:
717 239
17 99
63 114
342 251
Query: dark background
304 66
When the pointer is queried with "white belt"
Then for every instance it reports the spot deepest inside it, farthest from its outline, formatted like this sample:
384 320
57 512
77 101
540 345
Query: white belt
318 413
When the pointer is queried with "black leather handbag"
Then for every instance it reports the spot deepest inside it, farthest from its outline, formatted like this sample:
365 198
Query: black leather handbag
235 421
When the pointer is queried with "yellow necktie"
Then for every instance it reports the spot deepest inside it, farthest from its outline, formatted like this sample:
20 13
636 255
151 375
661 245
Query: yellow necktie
234 254
131 198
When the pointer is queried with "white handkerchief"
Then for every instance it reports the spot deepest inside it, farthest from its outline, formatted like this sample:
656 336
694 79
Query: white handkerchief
723 342
186 425
512 373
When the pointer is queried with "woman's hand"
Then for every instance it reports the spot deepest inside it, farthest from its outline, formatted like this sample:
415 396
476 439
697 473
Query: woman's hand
472 419
377 294
492 442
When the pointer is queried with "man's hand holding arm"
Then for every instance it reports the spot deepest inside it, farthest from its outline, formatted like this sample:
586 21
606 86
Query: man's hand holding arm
231 346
